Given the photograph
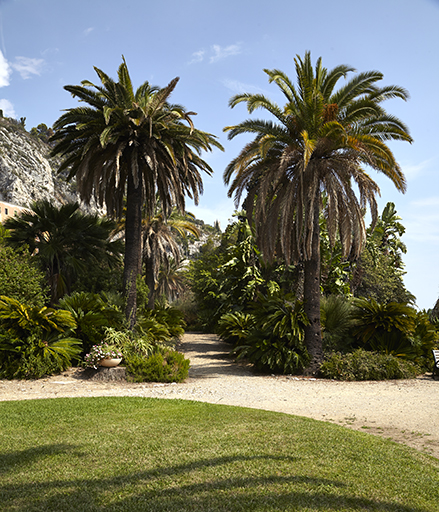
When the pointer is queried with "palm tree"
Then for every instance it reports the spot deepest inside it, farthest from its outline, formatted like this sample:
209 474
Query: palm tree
160 245
134 145
171 282
63 240
319 141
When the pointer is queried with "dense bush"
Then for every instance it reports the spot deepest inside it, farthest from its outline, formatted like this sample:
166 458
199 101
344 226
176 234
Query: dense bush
272 337
19 277
395 329
93 314
365 365
167 366
33 358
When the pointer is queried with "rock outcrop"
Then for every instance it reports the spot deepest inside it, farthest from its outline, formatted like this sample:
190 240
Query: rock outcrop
26 172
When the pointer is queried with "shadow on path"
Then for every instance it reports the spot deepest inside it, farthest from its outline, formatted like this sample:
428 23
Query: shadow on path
209 357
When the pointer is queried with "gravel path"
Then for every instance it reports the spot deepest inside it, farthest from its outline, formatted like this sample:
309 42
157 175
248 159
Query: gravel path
404 410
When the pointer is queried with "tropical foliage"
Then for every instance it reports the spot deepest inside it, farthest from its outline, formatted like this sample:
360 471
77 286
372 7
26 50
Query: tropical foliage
34 340
162 253
93 314
127 145
320 140
365 365
395 329
63 241
20 278
271 338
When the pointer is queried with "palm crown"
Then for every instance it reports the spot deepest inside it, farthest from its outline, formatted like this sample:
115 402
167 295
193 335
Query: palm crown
320 140
124 132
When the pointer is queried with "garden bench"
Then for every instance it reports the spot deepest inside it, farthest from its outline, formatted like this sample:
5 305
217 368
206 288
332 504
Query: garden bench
436 362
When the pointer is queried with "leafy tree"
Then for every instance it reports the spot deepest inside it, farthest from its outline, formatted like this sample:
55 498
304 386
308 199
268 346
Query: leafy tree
134 145
380 269
320 141
20 278
63 240
42 132
386 236
376 278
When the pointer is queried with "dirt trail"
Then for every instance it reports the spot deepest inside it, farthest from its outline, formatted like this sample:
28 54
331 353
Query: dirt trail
402 410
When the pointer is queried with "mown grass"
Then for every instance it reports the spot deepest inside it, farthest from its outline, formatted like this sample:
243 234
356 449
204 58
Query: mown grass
142 454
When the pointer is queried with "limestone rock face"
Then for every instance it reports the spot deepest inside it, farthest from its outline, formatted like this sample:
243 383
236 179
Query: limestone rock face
26 172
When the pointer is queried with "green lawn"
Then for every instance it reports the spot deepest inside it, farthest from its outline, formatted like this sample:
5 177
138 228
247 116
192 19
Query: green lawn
142 454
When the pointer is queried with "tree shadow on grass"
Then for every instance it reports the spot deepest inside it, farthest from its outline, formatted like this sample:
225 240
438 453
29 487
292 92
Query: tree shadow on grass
13 460
168 488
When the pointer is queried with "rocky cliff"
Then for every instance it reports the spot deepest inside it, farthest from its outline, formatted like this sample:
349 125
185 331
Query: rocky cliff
26 171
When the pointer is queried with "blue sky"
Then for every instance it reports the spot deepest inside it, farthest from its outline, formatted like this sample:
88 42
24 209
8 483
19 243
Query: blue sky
220 48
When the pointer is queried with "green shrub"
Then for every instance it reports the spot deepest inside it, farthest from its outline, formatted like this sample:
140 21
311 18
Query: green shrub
35 341
19 277
33 357
364 365
276 342
235 327
167 366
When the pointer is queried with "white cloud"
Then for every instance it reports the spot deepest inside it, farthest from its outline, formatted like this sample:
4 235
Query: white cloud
413 171
216 53
5 71
8 108
240 87
220 52
88 31
28 67
197 57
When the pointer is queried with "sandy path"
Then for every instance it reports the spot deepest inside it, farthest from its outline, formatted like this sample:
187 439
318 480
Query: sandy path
403 410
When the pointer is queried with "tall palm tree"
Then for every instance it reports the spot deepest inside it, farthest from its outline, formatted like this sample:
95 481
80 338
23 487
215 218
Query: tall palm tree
319 141
63 240
132 144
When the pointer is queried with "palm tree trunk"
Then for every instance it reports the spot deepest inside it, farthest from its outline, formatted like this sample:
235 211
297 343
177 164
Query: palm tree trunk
133 248
150 272
313 331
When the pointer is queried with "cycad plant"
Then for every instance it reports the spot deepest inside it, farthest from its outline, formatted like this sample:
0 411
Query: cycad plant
63 240
35 341
336 318
93 313
276 342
